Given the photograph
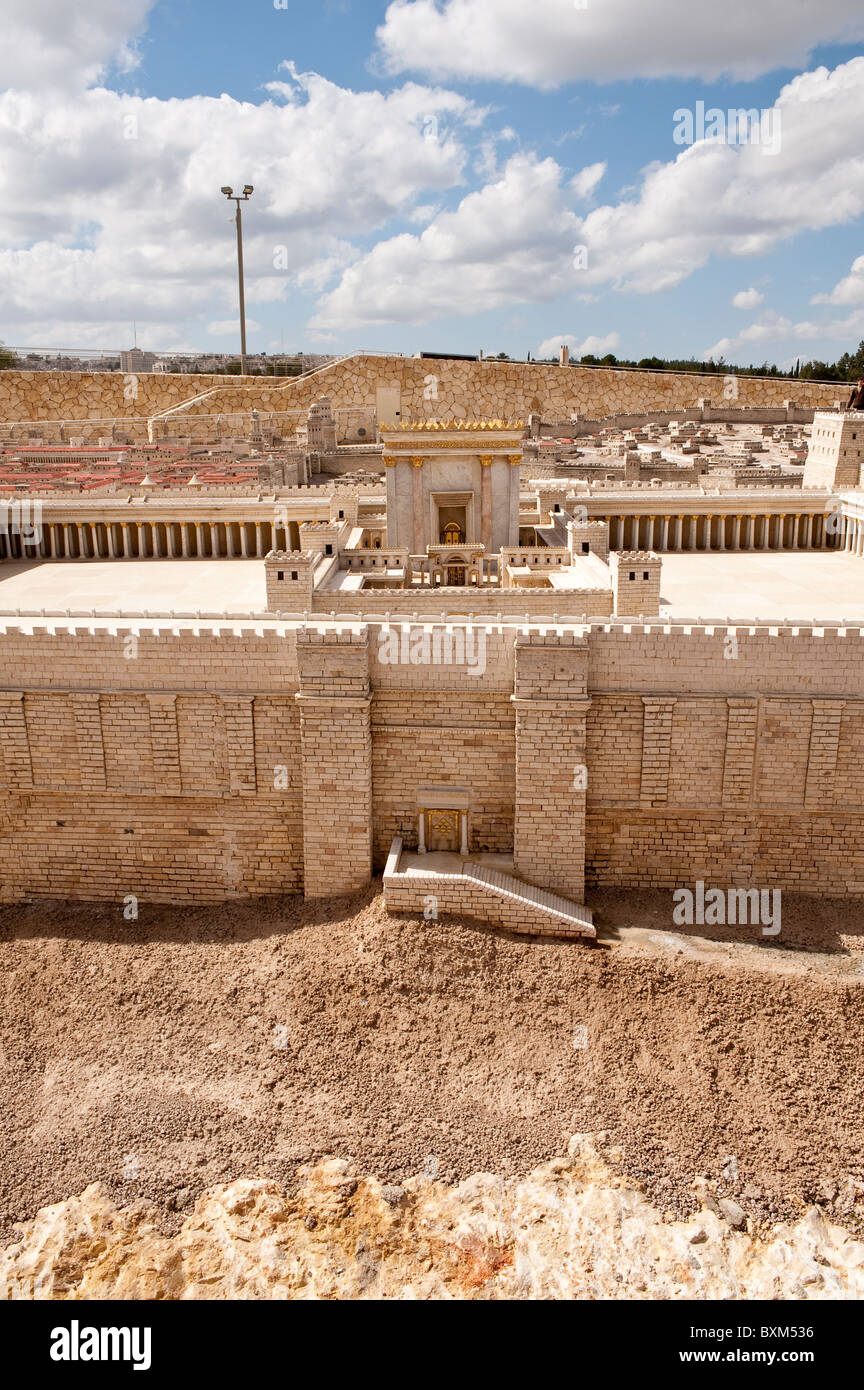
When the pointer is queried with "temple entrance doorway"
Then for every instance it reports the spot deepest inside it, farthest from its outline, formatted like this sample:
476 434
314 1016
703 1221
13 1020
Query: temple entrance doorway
442 831
442 820
455 574
452 525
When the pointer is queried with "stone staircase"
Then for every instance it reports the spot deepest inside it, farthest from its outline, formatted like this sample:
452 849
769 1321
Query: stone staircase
465 888
547 903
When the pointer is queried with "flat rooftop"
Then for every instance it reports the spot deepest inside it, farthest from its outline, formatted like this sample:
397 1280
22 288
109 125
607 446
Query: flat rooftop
750 584
790 584
135 586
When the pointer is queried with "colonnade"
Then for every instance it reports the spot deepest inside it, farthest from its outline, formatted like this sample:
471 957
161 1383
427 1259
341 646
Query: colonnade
145 540
853 535
723 531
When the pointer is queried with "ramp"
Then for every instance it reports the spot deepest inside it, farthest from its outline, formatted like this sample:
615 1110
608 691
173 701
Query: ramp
462 887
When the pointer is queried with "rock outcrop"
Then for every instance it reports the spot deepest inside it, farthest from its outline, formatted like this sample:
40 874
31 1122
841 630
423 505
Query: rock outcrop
572 1229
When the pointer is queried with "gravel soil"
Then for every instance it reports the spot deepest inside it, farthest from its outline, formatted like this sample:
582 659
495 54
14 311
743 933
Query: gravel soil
196 1046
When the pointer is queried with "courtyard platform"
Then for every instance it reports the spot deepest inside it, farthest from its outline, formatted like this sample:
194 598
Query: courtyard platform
789 584
135 586
792 583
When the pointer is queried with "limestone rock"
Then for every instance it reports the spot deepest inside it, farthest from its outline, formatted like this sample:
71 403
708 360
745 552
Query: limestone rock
572 1229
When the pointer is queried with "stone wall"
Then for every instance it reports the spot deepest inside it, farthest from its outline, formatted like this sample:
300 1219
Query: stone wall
428 388
182 766
106 396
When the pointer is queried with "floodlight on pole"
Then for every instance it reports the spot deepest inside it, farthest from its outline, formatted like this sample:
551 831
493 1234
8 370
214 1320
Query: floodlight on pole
239 198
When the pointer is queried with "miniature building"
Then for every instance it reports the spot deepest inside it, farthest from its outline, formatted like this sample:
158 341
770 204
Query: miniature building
836 452
453 484
317 435
290 577
635 582
448 675
588 538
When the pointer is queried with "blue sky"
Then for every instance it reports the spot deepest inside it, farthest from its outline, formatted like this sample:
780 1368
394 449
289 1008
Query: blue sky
424 172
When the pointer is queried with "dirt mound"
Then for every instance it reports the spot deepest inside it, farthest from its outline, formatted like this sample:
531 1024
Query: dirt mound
192 1047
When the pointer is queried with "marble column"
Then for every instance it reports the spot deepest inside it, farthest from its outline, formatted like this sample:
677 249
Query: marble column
486 500
421 832
199 539
417 504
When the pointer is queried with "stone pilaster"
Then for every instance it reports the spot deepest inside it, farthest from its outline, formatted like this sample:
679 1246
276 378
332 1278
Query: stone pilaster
418 540
336 738
822 759
88 734
15 741
551 700
656 744
486 500
165 742
240 735
740 751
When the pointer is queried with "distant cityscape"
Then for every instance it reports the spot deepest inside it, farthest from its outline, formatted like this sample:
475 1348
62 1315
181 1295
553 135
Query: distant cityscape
138 360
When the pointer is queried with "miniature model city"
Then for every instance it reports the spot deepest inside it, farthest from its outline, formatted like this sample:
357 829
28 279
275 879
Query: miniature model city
501 660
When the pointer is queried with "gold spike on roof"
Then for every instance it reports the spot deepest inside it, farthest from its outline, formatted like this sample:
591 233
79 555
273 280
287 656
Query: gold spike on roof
416 426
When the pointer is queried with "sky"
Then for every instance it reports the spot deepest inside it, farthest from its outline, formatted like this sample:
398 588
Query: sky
439 175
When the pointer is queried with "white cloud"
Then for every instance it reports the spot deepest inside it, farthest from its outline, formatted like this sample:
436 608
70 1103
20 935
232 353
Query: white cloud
509 242
548 42
56 45
849 290
222 328
110 203
776 328
514 239
720 200
596 346
587 179
771 329
747 299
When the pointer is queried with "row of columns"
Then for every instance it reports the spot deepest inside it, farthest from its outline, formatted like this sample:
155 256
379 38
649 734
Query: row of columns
144 540
853 535
713 531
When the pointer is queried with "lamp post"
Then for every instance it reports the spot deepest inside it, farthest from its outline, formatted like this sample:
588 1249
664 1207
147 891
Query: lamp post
239 198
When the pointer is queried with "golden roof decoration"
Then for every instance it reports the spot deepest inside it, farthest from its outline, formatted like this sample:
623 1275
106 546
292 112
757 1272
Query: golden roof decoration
416 426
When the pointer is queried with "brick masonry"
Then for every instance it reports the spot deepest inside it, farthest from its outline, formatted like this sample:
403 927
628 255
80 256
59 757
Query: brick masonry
232 760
